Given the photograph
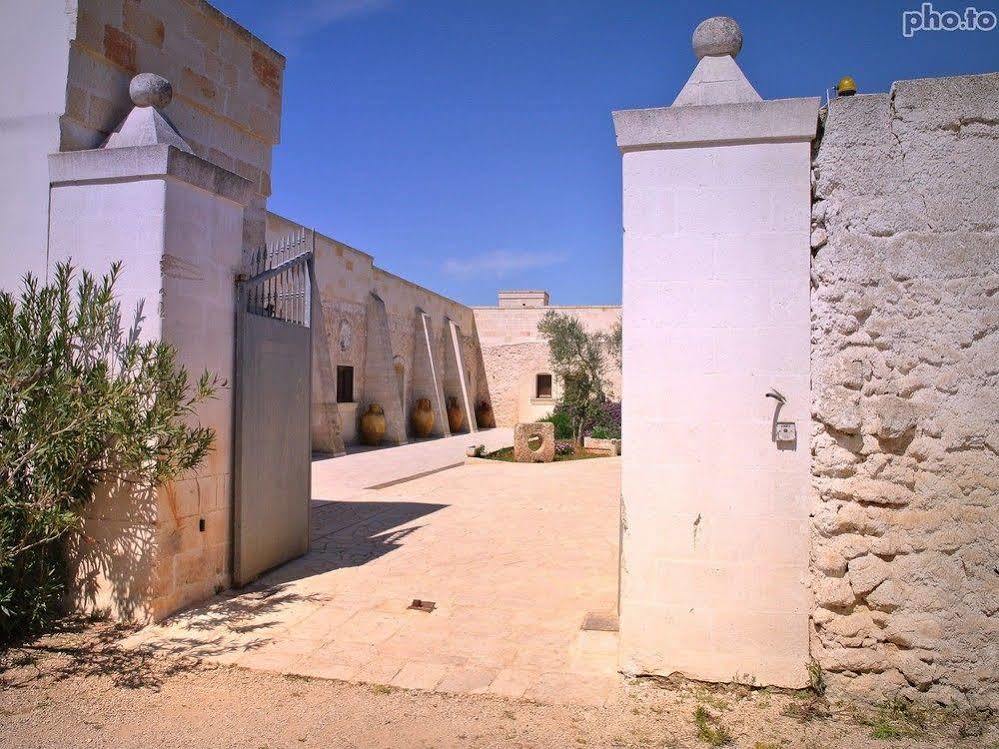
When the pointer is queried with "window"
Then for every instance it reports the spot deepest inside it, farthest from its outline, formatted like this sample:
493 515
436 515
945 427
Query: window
543 386
344 384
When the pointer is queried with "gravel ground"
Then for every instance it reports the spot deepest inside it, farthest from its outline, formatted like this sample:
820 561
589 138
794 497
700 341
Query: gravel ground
77 688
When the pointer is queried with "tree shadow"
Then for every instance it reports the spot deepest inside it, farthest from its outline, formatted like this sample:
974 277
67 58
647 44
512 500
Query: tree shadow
229 625
350 534
345 534
80 647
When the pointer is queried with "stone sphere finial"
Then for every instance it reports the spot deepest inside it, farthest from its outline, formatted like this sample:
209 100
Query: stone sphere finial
717 36
150 90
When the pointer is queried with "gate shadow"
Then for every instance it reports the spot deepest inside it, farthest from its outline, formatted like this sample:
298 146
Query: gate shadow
350 534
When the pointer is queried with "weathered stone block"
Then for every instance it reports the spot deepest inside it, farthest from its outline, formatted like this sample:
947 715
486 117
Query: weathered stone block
857 624
868 572
266 71
886 597
605 446
119 48
541 435
839 408
828 560
833 592
143 24
854 659
895 417
873 491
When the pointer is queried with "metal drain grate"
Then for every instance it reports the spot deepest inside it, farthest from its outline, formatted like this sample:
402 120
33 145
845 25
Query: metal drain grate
600 621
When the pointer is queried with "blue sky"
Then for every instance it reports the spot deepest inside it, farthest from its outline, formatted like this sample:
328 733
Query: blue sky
468 145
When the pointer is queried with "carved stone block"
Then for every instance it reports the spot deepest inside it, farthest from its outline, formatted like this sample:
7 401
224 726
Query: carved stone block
534 443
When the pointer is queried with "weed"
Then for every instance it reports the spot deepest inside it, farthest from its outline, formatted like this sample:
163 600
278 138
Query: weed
712 698
895 718
381 689
816 678
709 728
764 745
807 709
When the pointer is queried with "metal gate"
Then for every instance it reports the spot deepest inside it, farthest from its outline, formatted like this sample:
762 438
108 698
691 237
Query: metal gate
272 394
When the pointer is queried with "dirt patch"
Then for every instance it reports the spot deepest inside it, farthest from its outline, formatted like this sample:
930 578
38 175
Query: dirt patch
78 688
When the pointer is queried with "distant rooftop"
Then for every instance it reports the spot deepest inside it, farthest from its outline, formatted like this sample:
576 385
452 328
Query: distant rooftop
523 298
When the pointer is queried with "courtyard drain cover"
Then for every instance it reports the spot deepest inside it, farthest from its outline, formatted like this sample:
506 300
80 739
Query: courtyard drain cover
419 605
600 621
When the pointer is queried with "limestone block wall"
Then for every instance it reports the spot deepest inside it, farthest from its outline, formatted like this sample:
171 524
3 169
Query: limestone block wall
72 91
514 354
905 368
166 213
510 370
346 278
715 528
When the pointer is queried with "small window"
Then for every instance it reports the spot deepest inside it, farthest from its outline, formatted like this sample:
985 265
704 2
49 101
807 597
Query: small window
344 384
543 386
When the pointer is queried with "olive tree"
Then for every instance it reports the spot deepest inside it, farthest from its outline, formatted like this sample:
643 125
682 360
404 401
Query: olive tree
578 360
83 402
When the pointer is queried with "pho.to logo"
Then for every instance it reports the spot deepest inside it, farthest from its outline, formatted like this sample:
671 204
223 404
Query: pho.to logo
928 19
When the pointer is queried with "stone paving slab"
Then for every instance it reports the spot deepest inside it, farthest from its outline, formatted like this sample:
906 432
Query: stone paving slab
367 468
514 555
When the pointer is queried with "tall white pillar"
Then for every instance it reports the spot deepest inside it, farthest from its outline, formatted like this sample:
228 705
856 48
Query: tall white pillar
176 223
715 536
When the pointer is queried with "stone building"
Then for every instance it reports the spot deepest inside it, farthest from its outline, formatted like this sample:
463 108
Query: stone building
516 358
372 333
178 191
811 316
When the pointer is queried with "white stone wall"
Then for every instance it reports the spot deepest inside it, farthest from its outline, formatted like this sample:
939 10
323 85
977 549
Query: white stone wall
34 99
514 354
716 315
145 556
905 368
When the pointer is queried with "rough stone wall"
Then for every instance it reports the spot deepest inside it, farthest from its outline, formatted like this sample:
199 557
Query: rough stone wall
905 369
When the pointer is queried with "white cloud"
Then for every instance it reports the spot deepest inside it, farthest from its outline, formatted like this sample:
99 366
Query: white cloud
298 20
501 263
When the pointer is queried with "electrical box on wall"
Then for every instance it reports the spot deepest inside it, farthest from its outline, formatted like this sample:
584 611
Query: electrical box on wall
786 431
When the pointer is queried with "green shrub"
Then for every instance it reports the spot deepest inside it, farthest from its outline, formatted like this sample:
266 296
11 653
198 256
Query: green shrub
563 424
83 402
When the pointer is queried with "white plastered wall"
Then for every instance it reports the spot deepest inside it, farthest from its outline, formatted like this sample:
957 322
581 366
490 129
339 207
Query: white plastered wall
715 541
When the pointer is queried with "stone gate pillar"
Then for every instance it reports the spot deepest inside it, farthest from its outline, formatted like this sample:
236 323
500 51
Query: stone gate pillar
176 222
715 481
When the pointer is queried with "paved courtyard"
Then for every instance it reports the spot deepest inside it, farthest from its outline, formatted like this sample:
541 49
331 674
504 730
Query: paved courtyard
366 467
514 557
